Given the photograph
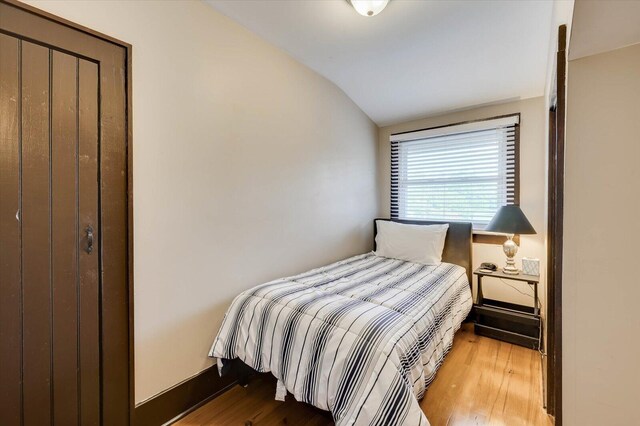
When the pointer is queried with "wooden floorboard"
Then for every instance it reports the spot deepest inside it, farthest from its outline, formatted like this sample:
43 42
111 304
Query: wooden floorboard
481 382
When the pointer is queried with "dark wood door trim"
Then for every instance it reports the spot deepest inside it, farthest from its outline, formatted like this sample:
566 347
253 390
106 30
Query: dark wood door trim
557 117
39 27
61 21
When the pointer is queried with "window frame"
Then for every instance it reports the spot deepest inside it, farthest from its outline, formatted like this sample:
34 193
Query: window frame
480 236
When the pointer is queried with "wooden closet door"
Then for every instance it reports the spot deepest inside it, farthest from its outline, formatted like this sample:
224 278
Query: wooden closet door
49 199
65 351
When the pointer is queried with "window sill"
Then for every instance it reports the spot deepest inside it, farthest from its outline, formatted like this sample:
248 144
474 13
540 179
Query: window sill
482 237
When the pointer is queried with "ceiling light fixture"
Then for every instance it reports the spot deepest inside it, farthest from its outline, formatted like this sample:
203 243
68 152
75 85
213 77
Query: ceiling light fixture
368 7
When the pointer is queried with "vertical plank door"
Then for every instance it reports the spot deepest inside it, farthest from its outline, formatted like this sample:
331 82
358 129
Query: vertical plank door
49 199
64 208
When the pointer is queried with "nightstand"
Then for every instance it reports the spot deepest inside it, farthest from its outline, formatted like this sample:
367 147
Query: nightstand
509 322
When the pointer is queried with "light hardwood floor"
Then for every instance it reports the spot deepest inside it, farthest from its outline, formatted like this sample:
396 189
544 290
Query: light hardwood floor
482 382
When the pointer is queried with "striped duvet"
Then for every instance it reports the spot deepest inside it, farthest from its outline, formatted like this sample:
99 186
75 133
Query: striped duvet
361 338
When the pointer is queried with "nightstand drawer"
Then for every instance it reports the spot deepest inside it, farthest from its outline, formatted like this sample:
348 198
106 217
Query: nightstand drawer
515 324
506 336
508 320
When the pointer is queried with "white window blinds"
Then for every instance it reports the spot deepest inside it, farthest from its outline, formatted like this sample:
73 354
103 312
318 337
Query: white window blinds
458 173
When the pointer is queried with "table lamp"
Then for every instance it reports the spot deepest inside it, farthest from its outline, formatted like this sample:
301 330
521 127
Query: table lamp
510 220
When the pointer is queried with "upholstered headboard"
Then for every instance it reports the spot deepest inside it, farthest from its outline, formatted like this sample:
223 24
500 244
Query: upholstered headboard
457 244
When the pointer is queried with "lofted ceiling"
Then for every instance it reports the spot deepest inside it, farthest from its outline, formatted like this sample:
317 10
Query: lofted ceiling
417 57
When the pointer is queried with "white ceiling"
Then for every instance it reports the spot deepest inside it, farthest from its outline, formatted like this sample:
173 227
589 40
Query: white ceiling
602 26
417 57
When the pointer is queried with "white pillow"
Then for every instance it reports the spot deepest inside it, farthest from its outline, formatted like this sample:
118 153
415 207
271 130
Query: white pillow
413 243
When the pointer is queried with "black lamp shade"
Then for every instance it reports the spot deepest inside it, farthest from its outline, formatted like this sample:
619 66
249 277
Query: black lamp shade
510 220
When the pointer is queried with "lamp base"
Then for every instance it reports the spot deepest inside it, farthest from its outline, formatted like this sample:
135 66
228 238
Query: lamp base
510 249
511 270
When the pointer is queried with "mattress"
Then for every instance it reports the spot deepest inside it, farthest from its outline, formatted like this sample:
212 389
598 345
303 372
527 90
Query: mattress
361 338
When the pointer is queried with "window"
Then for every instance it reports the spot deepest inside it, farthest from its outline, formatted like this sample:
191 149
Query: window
462 172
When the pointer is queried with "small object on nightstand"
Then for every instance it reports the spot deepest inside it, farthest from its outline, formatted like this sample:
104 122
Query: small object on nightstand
510 220
512 323
530 266
488 267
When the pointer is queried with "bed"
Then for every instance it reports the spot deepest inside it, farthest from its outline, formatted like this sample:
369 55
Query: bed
361 338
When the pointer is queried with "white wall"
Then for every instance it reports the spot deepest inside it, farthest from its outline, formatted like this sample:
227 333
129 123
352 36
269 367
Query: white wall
247 166
601 350
533 151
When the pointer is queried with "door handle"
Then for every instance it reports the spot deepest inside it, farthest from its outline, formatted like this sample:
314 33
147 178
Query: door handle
89 232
